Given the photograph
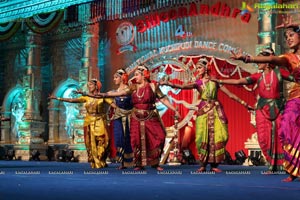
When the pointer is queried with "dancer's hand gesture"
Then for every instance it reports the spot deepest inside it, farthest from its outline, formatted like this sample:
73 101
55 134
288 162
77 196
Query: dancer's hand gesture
287 21
237 56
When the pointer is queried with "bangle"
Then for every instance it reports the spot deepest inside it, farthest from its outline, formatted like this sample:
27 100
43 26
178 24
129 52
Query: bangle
247 59
220 81
243 103
58 98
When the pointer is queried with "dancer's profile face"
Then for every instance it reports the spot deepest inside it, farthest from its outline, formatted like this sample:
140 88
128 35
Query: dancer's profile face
292 39
138 76
91 86
200 69
117 79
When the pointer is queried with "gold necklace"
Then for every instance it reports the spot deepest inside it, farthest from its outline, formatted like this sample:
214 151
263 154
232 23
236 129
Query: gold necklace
206 87
268 85
140 96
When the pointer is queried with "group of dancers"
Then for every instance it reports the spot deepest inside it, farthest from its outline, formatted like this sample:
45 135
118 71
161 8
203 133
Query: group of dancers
139 133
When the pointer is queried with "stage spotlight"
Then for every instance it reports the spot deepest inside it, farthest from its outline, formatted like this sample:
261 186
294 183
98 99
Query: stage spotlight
50 153
2 153
255 157
61 156
228 159
70 156
10 154
188 157
35 155
240 157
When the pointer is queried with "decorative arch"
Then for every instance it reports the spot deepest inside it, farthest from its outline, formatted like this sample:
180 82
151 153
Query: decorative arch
13 107
63 87
45 22
65 120
10 95
7 30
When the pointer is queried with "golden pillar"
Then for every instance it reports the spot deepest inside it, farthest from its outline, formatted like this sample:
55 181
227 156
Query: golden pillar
266 27
31 127
90 42
89 70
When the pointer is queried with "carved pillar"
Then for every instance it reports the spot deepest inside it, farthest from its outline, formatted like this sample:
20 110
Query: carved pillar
5 128
90 41
53 124
59 73
31 79
266 27
89 70
31 126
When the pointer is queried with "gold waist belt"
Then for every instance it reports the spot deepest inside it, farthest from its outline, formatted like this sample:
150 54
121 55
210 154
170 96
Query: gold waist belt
142 115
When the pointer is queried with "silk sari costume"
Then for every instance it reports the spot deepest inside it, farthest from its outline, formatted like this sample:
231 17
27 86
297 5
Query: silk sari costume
290 123
268 114
121 121
211 125
146 128
96 136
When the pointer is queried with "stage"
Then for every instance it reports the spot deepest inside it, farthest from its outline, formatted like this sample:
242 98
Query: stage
62 180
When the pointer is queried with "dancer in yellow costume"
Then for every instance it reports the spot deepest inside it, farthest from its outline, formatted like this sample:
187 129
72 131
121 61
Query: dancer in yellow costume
96 135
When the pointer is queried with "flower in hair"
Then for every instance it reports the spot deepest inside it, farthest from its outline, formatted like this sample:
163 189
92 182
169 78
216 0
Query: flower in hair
142 68
202 61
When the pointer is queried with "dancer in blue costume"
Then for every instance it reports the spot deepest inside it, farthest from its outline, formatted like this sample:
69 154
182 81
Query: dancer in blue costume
120 121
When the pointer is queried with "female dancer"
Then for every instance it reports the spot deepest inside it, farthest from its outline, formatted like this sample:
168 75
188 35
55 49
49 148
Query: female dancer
211 121
95 125
121 119
289 133
269 109
147 131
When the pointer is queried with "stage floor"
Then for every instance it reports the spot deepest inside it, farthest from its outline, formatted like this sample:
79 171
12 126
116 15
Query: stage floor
61 180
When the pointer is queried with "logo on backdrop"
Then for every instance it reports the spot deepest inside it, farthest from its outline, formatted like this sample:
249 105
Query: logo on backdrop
270 7
125 37
246 8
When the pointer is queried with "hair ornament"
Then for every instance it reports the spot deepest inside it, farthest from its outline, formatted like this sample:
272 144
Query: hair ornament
120 72
202 61
97 83
144 70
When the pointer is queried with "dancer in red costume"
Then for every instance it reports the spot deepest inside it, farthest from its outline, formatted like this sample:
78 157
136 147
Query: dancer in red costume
289 133
269 109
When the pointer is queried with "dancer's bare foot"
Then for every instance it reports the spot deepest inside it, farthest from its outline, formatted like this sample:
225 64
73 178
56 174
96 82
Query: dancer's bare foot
217 170
138 168
289 179
121 167
158 168
201 169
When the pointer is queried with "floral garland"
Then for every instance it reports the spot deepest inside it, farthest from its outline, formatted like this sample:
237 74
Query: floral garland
43 23
7 30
